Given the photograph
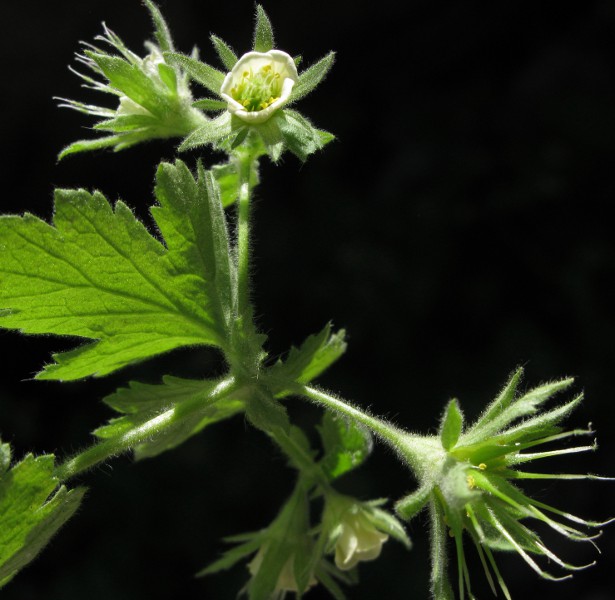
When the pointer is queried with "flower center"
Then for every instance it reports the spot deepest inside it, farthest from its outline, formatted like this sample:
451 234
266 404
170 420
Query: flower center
258 90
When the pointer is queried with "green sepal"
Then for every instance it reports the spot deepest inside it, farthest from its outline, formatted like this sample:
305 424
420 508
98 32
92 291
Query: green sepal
168 76
324 576
162 32
284 539
32 510
387 523
299 135
312 77
346 445
210 104
211 132
190 404
225 52
410 506
232 556
452 425
263 32
198 71
133 82
303 364
117 142
125 123
501 402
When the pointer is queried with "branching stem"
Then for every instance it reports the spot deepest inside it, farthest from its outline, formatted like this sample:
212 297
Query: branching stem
158 424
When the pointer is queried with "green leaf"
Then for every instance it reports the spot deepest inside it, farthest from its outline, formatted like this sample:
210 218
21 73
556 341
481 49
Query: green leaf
266 413
227 177
311 77
263 32
192 402
163 35
96 273
225 52
452 424
316 354
200 72
30 512
191 219
346 445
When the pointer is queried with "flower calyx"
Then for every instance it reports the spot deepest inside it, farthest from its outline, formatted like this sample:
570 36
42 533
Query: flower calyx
468 477
254 95
356 531
154 100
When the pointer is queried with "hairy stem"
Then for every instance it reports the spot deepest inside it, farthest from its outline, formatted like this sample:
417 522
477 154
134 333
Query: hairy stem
246 166
382 429
158 424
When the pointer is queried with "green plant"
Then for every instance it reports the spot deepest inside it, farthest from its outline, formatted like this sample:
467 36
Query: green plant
97 273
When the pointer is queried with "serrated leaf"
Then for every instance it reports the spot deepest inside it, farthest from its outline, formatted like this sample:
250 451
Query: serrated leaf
316 354
163 35
30 512
97 273
263 31
225 52
191 219
311 77
346 445
452 424
188 406
200 72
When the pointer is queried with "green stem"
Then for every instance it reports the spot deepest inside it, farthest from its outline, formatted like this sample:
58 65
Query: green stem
246 164
117 445
310 472
384 430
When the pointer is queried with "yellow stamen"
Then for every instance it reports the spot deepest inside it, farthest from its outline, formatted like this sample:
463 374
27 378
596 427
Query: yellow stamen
471 482
482 466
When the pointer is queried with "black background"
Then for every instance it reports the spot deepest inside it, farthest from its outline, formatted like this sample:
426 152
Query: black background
459 227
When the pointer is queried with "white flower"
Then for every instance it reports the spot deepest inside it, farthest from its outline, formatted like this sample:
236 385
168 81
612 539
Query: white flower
259 84
359 540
